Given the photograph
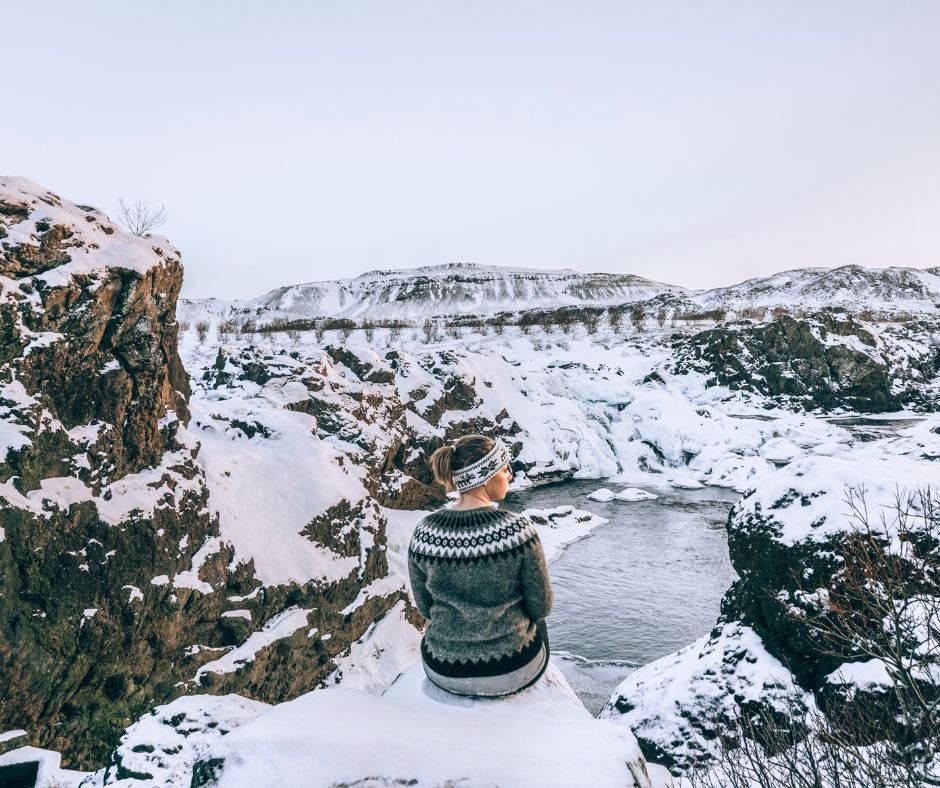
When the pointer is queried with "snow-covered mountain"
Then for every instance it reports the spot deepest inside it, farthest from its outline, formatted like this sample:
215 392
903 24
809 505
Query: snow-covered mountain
454 289
466 288
851 287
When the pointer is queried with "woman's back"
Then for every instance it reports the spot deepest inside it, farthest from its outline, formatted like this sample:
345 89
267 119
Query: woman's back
479 575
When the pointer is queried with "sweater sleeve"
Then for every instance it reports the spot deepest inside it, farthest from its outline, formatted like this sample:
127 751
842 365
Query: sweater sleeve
536 584
419 587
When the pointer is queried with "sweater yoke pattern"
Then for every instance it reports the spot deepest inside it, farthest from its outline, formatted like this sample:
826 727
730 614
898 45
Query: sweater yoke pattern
471 536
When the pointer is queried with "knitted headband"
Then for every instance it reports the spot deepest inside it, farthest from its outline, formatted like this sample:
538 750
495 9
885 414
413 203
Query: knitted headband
484 469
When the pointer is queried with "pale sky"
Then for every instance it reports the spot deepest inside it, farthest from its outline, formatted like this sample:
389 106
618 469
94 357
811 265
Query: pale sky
697 143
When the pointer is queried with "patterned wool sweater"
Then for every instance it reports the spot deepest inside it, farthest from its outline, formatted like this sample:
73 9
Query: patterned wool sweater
479 576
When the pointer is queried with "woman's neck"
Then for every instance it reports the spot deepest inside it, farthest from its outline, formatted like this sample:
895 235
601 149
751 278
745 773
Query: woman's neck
469 501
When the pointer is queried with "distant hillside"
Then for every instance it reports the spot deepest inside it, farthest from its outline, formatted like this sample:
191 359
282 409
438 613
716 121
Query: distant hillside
466 288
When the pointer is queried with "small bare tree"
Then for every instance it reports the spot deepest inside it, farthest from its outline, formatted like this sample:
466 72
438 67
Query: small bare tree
637 317
394 333
429 330
225 329
202 331
368 328
139 217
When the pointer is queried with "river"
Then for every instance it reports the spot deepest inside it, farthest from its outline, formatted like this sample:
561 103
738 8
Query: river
644 585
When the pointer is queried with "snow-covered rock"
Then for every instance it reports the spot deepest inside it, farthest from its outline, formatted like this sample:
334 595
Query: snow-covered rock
635 494
686 483
418 735
787 538
603 495
826 361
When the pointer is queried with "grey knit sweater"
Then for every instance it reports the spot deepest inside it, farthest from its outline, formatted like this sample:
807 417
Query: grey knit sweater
480 577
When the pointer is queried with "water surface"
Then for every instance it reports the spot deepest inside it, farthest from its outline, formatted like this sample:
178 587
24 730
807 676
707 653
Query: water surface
642 586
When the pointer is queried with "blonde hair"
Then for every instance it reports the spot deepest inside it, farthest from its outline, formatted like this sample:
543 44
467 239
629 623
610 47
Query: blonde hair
462 452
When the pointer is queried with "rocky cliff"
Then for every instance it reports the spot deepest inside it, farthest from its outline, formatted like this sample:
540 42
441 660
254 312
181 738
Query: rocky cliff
772 655
117 588
828 361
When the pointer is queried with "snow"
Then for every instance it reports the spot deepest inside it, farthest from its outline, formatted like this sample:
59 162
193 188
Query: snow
686 483
707 680
167 742
635 494
99 249
245 614
561 526
302 477
417 734
602 495
373 662
14 734
868 675
283 625
134 593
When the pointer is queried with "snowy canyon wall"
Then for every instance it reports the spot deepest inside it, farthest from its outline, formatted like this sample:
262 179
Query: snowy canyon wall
117 590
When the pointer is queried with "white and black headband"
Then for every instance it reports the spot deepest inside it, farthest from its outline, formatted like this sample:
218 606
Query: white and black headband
484 469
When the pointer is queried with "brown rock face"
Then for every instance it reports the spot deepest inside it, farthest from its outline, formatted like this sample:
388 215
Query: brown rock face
113 572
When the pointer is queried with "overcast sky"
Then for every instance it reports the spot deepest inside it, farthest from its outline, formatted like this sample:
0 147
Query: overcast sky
697 143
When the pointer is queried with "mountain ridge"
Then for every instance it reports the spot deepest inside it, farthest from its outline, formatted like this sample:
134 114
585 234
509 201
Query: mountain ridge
469 288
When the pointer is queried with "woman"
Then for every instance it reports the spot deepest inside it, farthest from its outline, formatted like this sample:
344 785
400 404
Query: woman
478 575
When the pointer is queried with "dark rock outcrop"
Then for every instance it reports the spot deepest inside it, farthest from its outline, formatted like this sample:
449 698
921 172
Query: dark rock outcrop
827 361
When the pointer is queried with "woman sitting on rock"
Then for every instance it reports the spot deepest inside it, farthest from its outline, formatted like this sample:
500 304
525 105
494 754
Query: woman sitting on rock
478 575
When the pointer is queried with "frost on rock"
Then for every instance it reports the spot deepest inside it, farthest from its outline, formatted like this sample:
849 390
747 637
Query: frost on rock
417 735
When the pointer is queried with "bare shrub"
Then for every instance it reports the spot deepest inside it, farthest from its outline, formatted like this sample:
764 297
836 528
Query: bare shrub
637 317
525 328
778 311
615 320
184 326
319 332
394 333
344 332
499 328
757 313
591 323
139 217
454 332
429 330
202 330
368 328
225 328
661 316
248 327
